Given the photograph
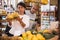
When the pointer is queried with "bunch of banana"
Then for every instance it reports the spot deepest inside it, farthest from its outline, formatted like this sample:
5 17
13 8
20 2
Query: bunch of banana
12 16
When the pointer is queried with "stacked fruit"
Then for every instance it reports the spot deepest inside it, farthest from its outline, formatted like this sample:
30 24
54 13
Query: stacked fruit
48 34
29 36
4 12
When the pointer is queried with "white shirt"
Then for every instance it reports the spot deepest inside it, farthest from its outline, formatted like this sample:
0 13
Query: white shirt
17 29
32 16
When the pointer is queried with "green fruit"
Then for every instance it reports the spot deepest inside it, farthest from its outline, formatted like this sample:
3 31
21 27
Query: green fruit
48 36
40 33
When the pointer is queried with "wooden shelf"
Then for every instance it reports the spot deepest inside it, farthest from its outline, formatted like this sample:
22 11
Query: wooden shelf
3 14
2 26
54 2
2 21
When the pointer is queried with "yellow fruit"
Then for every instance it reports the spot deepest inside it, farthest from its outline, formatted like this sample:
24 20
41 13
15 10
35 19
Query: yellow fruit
24 35
9 16
20 38
28 32
44 1
40 37
34 37
3 12
46 31
30 37
26 38
15 37
15 14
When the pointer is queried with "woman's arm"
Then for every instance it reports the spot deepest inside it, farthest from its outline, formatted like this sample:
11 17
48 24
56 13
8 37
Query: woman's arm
10 22
21 22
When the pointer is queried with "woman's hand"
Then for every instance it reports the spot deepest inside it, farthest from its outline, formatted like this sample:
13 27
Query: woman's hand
21 22
19 19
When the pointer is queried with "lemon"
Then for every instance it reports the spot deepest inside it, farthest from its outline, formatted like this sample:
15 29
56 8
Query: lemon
20 38
44 1
46 31
24 35
28 32
34 37
30 37
40 37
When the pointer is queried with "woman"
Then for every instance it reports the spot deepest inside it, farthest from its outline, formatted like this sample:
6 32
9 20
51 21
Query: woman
18 26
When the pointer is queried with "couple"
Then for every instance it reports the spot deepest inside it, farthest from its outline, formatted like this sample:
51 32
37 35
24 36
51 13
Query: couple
19 25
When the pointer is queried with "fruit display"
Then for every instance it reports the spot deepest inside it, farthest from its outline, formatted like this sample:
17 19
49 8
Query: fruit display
32 35
29 36
42 35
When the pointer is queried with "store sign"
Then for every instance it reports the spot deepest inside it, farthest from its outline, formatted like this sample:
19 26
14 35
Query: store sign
0 2
45 8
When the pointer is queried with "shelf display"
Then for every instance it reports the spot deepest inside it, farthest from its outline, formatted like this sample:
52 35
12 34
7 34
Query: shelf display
29 35
47 14
45 20
3 22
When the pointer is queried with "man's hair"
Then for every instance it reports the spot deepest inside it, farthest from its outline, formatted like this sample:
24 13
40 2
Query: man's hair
36 5
22 4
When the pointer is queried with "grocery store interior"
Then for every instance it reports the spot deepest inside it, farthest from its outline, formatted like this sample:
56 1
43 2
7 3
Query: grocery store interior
29 20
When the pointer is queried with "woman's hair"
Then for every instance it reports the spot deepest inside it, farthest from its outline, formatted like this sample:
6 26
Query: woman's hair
21 4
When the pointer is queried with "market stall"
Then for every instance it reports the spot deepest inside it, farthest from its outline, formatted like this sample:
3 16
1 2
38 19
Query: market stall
47 30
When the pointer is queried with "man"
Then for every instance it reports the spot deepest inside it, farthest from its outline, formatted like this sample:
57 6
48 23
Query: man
32 14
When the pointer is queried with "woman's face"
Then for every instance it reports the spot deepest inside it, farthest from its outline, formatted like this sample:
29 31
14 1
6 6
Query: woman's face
21 9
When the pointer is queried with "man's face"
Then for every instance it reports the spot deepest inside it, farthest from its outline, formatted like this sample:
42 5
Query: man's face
21 9
34 9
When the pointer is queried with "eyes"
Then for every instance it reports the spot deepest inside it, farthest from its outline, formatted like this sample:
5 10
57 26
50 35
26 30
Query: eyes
35 9
20 7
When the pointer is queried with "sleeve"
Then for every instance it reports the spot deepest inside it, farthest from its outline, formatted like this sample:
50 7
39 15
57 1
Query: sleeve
9 25
27 21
